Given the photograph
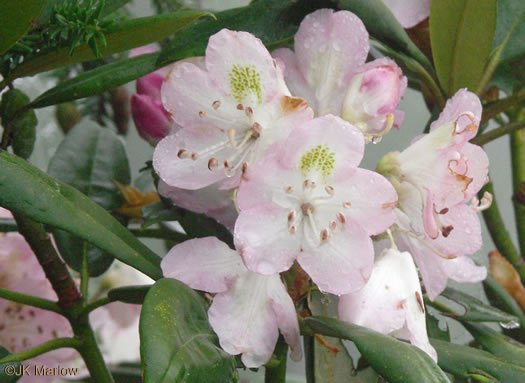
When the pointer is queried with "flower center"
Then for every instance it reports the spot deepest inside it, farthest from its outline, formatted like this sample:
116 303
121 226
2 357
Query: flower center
245 80
320 159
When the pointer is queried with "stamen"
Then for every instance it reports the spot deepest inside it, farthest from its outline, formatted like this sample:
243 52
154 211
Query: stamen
257 129
347 204
231 137
325 236
213 163
240 107
244 167
420 302
443 211
183 153
202 114
291 216
292 229
216 104
446 230
288 189
341 217
194 156
227 164
249 111
333 225
329 189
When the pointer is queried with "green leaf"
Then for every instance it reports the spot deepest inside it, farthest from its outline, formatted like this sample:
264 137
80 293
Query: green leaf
111 6
129 294
497 343
476 310
461 33
464 361
16 18
20 121
120 37
90 158
510 28
382 24
396 361
194 224
329 366
6 369
176 341
433 329
98 80
25 189
273 21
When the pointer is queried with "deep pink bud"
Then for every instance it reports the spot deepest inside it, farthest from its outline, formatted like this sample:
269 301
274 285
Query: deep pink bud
153 122
150 85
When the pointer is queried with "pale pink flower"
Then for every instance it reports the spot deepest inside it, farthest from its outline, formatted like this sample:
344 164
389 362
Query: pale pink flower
248 309
391 302
435 177
231 113
328 70
312 203
409 12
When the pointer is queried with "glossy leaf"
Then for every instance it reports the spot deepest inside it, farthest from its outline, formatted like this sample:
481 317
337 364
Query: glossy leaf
26 190
273 21
90 158
434 330
111 6
475 310
510 28
129 294
20 120
396 361
461 33
98 80
6 368
120 37
497 343
16 18
382 24
176 342
464 361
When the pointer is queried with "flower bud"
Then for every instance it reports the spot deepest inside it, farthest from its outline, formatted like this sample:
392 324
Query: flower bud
150 85
373 96
153 122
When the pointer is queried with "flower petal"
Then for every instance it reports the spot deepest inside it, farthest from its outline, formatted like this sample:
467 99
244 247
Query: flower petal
478 167
462 102
409 12
342 264
203 264
263 240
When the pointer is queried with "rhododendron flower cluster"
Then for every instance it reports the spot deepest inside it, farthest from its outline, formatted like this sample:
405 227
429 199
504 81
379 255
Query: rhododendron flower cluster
281 138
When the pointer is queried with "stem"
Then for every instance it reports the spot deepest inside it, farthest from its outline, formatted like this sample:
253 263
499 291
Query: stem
29 300
50 345
277 374
517 149
95 305
160 233
309 356
89 350
498 132
84 275
55 270
497 230
502 105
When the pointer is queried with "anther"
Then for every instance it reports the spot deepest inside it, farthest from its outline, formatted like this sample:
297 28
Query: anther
292 229
244 167
347 204
183 153
249 111
202 114
420 302
213 163
194 156
288 189
325 235
257 129
291 216
445 230
227 164
240 107
333 225
341 218
444 211
216 104
329 189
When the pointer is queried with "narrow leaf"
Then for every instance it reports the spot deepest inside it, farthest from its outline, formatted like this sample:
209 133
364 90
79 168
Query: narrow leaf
129 294
396 361
26 190
461 33
16 18
176 341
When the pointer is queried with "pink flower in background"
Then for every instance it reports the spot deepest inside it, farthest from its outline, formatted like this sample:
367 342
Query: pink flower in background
152 121
312 203
409 12
230 113
248 309
434 203
391 302
328 70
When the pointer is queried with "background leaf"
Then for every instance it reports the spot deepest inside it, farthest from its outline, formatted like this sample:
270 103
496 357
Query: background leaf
510 28
461 33
5 378
129 294
90 158
120 37
25 189
176 342
16 17
396 361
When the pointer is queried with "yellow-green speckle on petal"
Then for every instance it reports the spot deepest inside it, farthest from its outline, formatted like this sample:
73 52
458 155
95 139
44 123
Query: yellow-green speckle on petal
245 80
320 159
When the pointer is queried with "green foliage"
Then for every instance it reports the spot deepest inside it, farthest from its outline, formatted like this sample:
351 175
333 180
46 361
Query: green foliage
26 190
461 33
90 158
177 344
16 18
7 378
129 294
396 361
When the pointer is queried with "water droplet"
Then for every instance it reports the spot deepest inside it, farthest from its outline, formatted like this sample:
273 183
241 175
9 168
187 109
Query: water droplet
376 139
229 172
509 325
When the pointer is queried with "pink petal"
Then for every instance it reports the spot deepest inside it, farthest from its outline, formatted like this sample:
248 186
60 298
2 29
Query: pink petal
342 264
263 240
229 52
478 167
204 264
463 269
373 199
153 123
462 102
409 12
150 85
329 46
244 320
178 169
286 318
